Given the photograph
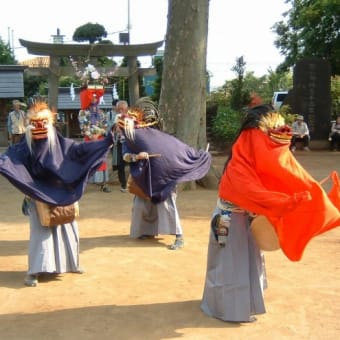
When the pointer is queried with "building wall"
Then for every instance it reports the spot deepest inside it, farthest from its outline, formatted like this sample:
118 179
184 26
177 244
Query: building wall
11 87
11 82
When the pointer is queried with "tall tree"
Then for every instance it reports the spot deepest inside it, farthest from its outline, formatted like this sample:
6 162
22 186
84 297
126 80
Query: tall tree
239 96
182 103
312 29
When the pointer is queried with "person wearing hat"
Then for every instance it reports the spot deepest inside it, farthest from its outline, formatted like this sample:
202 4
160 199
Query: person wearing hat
16 122
300 134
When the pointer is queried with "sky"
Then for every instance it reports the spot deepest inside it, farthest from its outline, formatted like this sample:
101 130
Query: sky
236 28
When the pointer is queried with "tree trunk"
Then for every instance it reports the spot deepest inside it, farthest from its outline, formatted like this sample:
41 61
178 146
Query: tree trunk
182 103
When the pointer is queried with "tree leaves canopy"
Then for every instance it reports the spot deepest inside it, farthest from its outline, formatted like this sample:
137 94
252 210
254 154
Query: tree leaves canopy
89 32
311 29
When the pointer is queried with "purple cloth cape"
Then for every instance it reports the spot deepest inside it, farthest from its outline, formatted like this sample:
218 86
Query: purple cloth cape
178 162
59 177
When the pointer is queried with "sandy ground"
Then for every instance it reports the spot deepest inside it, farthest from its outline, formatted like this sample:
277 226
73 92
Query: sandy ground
141 290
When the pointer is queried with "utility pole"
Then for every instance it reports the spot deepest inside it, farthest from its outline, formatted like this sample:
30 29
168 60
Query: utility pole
128 23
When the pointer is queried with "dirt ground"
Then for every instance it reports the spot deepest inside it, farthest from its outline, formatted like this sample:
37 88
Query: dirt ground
136 289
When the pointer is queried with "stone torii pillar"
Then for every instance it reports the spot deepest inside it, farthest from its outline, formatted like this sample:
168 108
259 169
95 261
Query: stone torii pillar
56 51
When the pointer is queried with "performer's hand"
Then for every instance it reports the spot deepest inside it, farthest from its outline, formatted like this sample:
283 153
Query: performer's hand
142 155
302 196
296 199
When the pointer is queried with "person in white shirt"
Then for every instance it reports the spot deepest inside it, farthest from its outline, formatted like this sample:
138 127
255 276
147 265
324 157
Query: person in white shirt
300 134
16 122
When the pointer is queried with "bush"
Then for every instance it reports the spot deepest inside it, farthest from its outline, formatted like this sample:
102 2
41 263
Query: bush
287 114
226 124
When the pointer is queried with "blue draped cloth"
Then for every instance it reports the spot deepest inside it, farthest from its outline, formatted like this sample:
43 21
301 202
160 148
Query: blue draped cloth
57 177
177 162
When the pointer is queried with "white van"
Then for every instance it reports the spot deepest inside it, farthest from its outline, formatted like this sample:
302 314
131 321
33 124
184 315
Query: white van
278 99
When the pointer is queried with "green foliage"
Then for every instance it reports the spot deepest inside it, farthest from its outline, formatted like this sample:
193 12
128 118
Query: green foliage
156 89
6 54
123 88
226 124
258 86
66 81
263 86
239 96
277 81
335 93
218 100
218 97
288 115
122 83
311 29
158 64
35 85
222 117
89 32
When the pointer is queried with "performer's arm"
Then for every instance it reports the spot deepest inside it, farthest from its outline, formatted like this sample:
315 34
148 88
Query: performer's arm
132 157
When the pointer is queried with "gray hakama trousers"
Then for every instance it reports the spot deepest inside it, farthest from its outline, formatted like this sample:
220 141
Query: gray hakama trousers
155 219
235 276
52 249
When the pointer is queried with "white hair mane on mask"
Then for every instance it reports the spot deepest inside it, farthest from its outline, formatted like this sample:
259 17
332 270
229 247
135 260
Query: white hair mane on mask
40 124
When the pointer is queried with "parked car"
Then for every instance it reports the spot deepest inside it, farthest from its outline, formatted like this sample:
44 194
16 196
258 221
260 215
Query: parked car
278 99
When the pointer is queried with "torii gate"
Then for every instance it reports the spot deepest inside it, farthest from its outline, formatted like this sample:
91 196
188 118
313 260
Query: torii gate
55 51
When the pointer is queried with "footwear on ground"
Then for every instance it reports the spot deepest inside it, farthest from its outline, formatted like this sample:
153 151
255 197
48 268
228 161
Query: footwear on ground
179 244
104 188
31 280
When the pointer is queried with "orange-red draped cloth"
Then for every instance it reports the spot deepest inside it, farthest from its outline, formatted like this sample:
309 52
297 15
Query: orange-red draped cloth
264 177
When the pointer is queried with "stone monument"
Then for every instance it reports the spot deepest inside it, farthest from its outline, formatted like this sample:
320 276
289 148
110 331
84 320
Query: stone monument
312 95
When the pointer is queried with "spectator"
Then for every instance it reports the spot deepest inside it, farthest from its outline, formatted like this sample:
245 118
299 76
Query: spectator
111 115
16 122
335 135
300 134
118 163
